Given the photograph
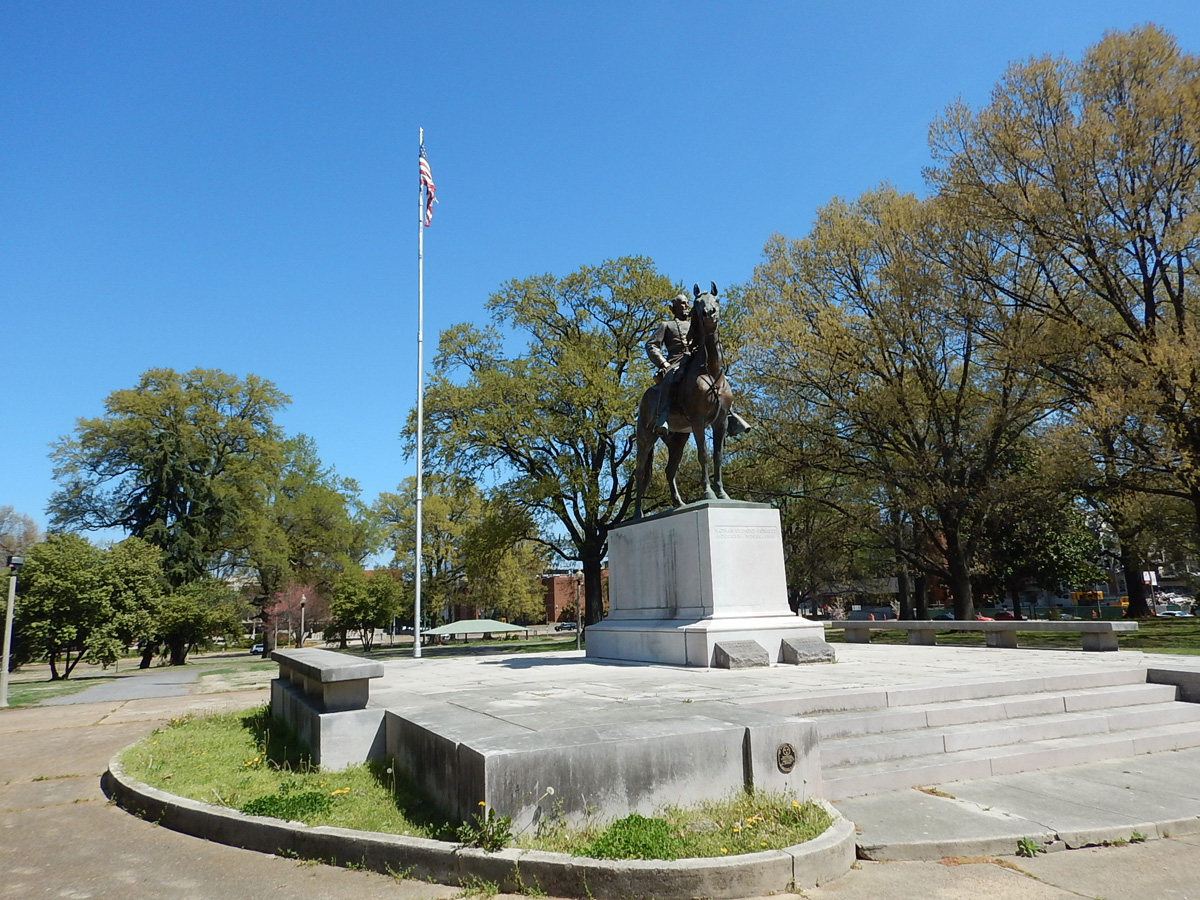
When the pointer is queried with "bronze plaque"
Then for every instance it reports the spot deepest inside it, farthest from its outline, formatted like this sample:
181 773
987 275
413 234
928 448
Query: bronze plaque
785 758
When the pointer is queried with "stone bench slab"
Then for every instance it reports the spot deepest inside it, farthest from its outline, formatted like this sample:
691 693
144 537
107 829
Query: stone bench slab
334 681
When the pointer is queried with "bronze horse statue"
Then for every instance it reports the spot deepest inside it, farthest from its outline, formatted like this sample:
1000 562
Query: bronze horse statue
702 400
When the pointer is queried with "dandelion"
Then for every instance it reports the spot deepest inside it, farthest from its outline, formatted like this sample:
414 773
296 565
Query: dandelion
723 850
549 790
483 803
339 791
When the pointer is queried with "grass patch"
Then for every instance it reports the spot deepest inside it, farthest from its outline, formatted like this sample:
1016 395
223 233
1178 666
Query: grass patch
248 761
743 823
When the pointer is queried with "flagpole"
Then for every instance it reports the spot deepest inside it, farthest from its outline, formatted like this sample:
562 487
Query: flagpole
420 396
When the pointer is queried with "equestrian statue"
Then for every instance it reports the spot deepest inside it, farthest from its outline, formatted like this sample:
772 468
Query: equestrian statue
691 394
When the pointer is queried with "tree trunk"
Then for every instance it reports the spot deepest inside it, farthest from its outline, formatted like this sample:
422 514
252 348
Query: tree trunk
592 560
148 653
903 593
178 650
921 592
1132 564
960 582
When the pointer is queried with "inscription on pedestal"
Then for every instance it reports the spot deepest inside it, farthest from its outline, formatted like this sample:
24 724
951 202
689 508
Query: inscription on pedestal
745 532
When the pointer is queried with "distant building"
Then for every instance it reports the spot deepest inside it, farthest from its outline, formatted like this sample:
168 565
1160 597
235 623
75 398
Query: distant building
560 586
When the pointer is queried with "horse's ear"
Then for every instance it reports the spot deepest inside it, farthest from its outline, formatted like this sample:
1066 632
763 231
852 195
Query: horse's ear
695 290
714 288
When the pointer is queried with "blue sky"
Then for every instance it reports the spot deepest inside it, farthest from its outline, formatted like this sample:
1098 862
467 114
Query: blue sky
233 185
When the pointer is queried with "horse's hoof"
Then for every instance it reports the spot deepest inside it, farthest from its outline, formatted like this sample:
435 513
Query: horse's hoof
710 494
721 495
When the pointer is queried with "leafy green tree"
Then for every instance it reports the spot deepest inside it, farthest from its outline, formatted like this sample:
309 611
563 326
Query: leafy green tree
135 588
452 505
193 613
1090 171
866 340
310 526
61 601
178 460
508 586
364 602
554 423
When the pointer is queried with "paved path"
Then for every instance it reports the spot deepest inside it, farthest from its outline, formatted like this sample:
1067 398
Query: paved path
140 684
60 839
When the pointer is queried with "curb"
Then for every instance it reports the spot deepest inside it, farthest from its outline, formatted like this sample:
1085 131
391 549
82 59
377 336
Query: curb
721 878
1006 844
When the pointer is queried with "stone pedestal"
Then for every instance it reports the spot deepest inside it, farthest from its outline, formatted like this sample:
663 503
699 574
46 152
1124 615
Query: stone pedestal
686 580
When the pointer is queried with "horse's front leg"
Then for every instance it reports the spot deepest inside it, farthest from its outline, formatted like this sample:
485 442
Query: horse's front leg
675 442
702 458
719 456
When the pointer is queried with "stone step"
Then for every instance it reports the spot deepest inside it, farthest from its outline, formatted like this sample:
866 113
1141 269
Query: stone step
880 721
879 747
818 703
840 782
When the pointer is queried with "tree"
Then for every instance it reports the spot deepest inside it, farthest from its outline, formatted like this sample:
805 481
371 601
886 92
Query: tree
553 424
361 602
61 601
135 589
179 461
18 532
194 612
868 342
507 586
451 506
1090 171
310 526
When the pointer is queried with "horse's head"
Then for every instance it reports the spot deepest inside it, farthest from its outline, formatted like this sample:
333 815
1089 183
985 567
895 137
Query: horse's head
706 311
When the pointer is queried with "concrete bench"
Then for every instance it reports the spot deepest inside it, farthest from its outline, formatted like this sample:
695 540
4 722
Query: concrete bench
334 682
1097 635
323 696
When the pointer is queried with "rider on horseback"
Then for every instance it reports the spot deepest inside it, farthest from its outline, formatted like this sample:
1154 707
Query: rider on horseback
670 349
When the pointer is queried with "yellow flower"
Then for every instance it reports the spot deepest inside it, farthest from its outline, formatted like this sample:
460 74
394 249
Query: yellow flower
339 791
723 850
483 803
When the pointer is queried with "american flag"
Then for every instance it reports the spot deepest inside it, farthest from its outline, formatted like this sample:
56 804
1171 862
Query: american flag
427 182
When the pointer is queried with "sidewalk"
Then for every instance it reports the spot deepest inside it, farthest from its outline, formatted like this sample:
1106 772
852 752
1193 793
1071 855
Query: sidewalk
60 838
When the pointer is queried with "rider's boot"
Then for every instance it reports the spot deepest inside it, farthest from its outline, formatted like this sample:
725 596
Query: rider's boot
736 425
660 423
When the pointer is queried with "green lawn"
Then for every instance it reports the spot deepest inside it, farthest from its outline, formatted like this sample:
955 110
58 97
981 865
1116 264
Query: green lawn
247 761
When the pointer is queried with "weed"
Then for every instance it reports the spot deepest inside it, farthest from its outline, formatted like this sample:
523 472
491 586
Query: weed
487 830
477 887
289 803
635 837
1137 838
1029 847
400 874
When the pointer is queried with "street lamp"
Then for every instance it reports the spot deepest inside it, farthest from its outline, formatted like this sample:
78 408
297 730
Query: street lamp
14 563
578 611
303 598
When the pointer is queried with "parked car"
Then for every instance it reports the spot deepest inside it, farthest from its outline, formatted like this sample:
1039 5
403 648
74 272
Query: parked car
944 616
1006 616
981 618
1174 613
566 626
257 649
